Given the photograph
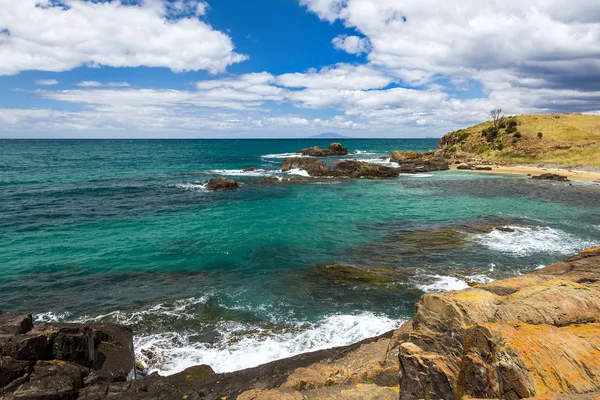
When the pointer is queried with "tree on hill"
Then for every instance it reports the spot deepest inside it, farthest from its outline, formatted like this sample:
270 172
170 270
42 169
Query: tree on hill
497 117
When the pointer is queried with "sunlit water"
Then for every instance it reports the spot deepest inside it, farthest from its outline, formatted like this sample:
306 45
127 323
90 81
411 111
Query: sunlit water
125 231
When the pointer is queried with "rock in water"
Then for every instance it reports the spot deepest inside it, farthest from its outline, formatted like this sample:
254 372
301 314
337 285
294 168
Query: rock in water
222 184
311 165
399 156
334 149
358 169
249 169
550 177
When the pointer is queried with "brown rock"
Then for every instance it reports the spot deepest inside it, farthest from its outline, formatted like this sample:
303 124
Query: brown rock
52 380
515 338
249 169
11 369
550 177
512 361
334 149
115 361
399 156
311 165
15 324
76 343
358 169
222 184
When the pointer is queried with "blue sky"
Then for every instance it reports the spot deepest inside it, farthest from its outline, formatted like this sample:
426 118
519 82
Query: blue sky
289 68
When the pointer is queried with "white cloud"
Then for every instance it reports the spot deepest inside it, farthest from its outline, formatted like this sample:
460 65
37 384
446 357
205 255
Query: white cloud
88 84
118 84
511 46
42 35
351 44
46 82
341 76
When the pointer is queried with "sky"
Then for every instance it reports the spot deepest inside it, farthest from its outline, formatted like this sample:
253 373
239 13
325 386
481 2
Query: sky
289 68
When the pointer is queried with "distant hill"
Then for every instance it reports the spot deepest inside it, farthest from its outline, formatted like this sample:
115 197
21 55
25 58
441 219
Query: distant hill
329 135
565 139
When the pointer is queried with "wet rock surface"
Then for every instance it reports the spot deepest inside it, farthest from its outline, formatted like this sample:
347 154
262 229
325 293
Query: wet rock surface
550 177
56 361
222 184
334 149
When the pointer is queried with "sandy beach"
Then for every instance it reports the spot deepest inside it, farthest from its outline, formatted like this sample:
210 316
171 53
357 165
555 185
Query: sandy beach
572 174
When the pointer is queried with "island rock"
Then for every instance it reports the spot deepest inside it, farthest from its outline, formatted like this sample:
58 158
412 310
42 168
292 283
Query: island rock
222 184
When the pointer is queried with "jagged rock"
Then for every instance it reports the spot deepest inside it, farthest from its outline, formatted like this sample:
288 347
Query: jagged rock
11 369
76 343
345 392
221 184
358 169
509 339
249 169
400 156
311 165
15 324
550 177
30 346
116 360
334 149
423 165
513 361
51 380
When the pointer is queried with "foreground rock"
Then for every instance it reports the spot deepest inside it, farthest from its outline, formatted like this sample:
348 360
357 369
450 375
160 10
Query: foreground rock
222 184
56 361
334 149
523 337
550 177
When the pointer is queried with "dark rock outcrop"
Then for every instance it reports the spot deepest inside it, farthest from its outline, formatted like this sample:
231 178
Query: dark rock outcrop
222 184
358 169
56 361
334 149
311 165
550 177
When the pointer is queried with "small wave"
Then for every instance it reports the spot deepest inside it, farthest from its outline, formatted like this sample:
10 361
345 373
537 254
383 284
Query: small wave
417 175
443 283
282 155
241 172
51 317
297 171
193 187
525 241
379 161
365 152
178 351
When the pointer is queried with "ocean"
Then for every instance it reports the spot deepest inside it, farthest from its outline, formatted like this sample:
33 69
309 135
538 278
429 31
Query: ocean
125 231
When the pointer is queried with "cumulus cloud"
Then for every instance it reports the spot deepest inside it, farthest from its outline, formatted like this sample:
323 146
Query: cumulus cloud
514 46
52 36
351 44
46 82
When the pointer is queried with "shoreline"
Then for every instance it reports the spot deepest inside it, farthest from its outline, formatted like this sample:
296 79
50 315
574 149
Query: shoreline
572 174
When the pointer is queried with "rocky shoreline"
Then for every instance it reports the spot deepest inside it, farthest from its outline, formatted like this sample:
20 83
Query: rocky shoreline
531 336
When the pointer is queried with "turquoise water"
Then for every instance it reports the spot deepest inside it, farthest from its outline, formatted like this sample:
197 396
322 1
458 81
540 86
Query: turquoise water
125 231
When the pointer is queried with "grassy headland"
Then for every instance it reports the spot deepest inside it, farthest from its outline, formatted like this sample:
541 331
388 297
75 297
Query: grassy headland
565 140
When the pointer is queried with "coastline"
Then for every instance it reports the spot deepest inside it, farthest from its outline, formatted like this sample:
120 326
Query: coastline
460 344
592 175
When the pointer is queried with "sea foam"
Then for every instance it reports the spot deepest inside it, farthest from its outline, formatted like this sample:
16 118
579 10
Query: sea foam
525 241
173 352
